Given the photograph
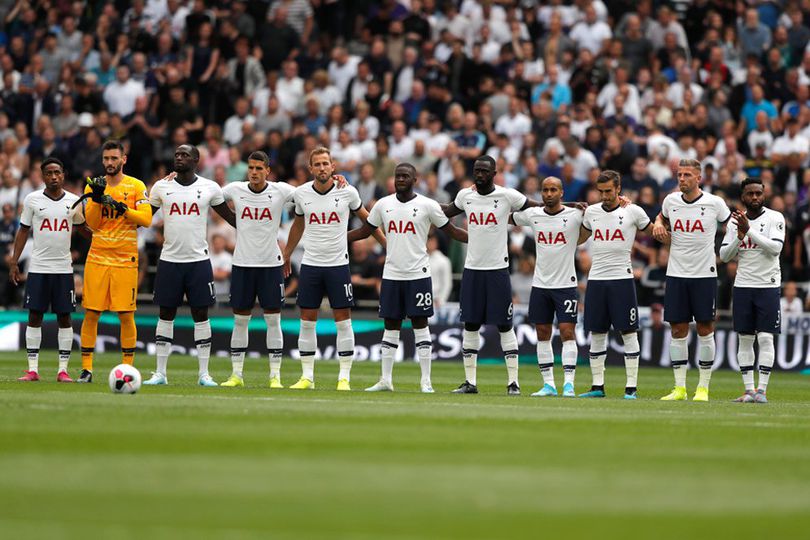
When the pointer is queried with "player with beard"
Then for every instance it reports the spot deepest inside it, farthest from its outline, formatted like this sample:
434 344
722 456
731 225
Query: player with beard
184 268
486 289
407 290
322 215
756 237
117 206
689 221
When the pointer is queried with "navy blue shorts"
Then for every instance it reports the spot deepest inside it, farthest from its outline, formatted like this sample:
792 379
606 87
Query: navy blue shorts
248 282
688 299
400 299
756 310
54 291
486 297
544 303
194 280
334 281
611 303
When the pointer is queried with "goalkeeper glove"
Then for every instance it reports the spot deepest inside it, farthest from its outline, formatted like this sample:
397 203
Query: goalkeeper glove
118 207
97 187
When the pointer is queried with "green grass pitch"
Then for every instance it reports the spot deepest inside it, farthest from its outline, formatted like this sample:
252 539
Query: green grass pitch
189 462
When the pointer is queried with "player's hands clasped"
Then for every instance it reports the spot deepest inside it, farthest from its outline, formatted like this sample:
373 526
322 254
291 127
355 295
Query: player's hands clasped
741 220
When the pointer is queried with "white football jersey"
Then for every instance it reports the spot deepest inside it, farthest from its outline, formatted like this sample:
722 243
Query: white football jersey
185 217
612 236
693 226
51 227
258 216
555 237
488 225
326 220
757 268
406 227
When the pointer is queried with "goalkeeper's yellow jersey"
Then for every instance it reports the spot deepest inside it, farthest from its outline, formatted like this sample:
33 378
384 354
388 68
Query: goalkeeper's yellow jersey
115 239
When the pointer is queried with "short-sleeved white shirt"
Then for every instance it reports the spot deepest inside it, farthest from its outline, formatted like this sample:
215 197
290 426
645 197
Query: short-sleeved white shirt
51 227
185 217
613 233
555 237
326 219
693 226
757 268
488 225
258 216
406 226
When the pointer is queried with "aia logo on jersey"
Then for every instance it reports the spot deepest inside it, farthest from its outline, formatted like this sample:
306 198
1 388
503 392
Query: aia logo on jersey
550 239
54 225
321 218
480 218
108 213
747 243
608 235
687 225
401 227
184 209
256 213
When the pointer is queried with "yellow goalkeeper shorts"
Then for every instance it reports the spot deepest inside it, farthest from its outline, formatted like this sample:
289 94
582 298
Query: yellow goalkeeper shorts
109 288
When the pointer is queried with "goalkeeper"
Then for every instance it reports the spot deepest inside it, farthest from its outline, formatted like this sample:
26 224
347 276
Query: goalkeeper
118 204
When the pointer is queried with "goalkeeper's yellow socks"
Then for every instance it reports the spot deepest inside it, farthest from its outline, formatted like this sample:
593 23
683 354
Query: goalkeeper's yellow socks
129 336
89 333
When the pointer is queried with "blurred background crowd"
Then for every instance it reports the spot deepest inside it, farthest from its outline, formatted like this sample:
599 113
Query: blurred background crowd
562 88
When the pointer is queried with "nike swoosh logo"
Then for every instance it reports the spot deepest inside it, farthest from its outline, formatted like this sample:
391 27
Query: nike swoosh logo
169 192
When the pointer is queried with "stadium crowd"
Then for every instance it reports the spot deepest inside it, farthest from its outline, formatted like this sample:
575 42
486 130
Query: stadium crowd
548 88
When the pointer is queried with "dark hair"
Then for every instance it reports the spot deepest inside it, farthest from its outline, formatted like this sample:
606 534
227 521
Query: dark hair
112 144
751 180
609 176
409 166
50 161
489 159
258 155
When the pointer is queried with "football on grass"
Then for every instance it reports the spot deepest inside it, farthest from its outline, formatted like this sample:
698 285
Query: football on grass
125 379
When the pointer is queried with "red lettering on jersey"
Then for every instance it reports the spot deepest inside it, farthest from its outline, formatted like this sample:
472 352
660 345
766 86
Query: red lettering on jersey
481 219
550 238
688 225
747 243
256 213
184 209
54 225
608 235
401 227
323 219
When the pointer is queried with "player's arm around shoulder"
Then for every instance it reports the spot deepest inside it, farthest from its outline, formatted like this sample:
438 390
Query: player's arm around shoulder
585 227
661 227
456 207
362 213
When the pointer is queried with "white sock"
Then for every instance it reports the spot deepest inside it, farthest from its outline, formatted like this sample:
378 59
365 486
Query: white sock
632 351
33 339
202 340
390 343
545 359
64 338
164 336
470 343
509 346
766 356
569 360
345 348
679 356
424 349
598 354
275 342
307 345
706 351
745 359
239 343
